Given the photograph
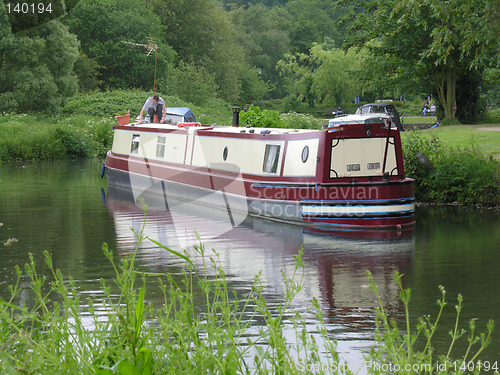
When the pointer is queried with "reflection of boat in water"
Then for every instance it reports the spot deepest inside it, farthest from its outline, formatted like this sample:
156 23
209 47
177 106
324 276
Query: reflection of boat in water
335 264
350 176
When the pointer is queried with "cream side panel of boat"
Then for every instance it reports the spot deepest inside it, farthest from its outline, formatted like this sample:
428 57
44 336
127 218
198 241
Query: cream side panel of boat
175 148
175 145
362 157
294 165
247 154
147 145
121 142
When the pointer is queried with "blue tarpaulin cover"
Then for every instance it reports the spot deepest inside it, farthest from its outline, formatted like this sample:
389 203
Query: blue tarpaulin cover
182 111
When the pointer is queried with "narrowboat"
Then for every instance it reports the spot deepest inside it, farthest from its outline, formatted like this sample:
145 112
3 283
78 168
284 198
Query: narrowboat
349 176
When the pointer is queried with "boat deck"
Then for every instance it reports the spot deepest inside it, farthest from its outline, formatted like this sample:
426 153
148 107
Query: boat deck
222 128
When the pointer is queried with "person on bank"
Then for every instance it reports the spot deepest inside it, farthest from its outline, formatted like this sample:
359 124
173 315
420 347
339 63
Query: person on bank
154 106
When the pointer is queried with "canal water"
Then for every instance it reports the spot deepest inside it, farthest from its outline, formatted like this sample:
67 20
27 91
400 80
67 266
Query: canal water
68 210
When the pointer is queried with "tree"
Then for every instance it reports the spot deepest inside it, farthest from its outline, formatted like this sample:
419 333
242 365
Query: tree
191 83
248 3
36 67
327 76
313 20
202 35
336 80
263 35
431 39
102 26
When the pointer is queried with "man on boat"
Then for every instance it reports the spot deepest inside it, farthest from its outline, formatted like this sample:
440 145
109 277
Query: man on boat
154 106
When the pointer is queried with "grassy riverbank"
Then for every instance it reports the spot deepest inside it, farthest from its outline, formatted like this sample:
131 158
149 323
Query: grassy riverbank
484 138
28 137
47 318
467 175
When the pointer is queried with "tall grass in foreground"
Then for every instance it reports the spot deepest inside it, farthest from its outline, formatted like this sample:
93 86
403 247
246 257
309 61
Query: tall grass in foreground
54 335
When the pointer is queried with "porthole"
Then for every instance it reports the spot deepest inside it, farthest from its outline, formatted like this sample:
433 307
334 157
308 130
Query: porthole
305 154
224 153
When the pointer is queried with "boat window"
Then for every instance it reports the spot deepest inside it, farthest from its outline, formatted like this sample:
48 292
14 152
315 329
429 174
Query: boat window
271 158
134 149
160 146
224 153
305 154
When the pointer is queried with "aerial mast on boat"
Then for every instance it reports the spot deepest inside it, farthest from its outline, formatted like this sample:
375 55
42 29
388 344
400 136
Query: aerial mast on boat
151 47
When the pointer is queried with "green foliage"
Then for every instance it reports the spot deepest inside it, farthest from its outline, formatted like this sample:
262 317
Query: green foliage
102 26
492 84
97 103
190 83
107 104
265 118
264 36
325 77
253 87
466 176
213 111
463 175
396 345
261 118
337 76
36 68
202 35
300 121
87 70
27 137
315 21
493 116
437 42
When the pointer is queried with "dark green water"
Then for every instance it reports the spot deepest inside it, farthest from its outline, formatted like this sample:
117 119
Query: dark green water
67 209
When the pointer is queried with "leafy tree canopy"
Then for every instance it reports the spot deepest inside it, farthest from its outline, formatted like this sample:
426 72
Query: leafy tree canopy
103 25
328 76
438 41
201 33
264 36
36 67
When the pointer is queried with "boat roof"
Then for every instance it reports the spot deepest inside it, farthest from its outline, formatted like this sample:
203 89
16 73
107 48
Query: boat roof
221 128
366 118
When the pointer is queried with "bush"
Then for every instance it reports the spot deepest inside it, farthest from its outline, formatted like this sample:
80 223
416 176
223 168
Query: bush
28 137
23 137
107 104
492 116
461 175
465 176
300 121
261 118
72 143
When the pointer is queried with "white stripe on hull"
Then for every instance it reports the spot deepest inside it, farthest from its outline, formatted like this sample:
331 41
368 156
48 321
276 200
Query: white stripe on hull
357 210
